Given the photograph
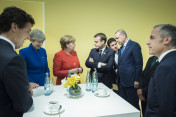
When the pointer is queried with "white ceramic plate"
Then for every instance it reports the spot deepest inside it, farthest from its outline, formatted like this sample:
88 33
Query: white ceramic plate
96 94
46 110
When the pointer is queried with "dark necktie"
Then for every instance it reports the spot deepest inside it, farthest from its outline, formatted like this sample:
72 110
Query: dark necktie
154 62
100 51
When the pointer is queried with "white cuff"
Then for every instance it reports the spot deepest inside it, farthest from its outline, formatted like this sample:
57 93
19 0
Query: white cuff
99 64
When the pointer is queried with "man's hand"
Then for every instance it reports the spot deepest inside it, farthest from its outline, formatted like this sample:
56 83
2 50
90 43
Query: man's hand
103 64
140 96
136 84
91 60
30 89
33 85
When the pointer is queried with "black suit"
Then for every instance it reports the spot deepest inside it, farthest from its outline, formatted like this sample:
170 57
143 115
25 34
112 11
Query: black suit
104 73
145 79
114 71
161 100
15 98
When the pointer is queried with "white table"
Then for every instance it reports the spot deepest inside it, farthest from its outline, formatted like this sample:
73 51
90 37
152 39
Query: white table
87 106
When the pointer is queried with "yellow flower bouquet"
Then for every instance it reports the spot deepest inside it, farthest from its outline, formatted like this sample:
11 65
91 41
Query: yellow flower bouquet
72 82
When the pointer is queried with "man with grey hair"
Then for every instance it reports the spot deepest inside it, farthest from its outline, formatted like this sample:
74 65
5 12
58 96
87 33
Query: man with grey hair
130 64
161 100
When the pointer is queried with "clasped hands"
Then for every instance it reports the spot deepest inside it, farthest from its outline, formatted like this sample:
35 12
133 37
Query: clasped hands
75 70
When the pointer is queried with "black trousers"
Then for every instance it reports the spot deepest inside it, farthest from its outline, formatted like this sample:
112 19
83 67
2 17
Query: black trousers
143 105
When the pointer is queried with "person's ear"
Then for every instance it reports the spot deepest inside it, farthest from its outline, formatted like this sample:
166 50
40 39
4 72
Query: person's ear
14 27
167 39
124 37
67 45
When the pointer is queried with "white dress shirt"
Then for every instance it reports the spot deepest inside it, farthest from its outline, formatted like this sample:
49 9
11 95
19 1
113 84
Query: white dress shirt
99 63
164 54
5 39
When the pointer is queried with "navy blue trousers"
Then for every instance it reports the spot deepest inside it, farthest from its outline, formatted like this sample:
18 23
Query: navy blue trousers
130 95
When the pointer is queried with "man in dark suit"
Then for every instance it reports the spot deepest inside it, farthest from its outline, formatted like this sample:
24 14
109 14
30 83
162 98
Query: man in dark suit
15 93
101 58
161 100
113 45
130 64
144 81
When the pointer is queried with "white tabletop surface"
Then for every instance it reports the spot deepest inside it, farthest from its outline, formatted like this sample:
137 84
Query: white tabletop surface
88 105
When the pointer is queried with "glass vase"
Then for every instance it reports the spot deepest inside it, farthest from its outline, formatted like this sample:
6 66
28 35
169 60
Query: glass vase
75 92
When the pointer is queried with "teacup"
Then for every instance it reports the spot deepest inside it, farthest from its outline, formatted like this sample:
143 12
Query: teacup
53 106
102 92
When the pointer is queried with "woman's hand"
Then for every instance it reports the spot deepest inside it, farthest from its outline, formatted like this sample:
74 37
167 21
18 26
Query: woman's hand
80 70
73 71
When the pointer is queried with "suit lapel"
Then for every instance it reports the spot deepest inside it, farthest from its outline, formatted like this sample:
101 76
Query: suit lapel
104 53
125 51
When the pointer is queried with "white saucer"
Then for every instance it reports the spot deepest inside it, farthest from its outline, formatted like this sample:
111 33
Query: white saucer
96 94
46 111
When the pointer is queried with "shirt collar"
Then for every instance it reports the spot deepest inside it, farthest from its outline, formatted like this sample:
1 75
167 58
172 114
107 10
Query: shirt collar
125 43
164 54
9 41
103 49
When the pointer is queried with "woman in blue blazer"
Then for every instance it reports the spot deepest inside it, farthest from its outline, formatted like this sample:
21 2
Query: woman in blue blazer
36 59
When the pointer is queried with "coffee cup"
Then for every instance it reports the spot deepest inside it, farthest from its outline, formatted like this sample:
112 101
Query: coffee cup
53 106
102 92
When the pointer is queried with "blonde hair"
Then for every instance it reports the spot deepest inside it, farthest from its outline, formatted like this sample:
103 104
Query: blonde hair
66 39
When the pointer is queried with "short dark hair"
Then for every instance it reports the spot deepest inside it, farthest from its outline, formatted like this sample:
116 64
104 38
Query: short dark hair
168 30
14 15
110 40
102 36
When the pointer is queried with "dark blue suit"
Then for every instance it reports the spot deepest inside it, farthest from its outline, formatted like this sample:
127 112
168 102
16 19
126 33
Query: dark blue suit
161 100
129 69
104 73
